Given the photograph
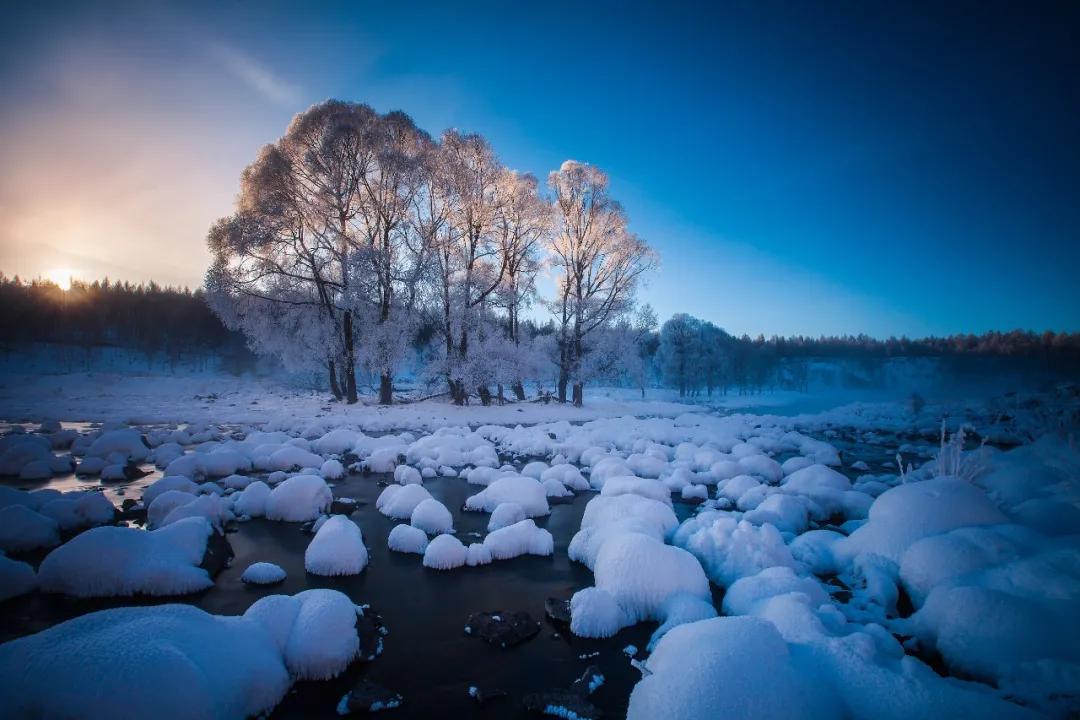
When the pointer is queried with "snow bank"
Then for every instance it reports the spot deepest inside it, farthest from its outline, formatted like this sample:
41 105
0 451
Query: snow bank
120 561
337 549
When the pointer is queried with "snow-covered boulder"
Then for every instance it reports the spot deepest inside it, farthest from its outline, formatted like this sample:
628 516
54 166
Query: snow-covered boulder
521 538
432 517
445 552
337 549
407 539
630 485
251 501
23 529
730 549
167 483
505 514
299 499
594 613
16 578
263 573
526 492
399 501
406 475
120 561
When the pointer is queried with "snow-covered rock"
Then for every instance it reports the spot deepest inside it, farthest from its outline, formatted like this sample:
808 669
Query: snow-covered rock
263 573
505 514
23 529
299 499
407 539
432 517
337 548
399 501
521 538
16 578
445 552
526 492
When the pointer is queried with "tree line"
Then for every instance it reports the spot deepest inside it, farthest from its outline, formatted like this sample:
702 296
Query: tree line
695 356
356 231
147 318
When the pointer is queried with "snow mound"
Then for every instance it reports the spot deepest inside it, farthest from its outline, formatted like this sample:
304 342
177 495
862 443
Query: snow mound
120 561
526 492
22 529
337 549
167 483
399 501
630 485
407 539
263 573
16 578
730 549
594 613
445 553
432 517
251 501
521 538
299 499
505 514
406 475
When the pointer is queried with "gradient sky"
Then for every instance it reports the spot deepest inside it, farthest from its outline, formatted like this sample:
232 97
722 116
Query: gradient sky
802 167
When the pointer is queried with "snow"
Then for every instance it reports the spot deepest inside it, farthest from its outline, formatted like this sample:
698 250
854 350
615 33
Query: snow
263 573
16 578
337 548
432 517
630 485
251 501
594 613
212 507
163 504
730 549
399 501
526 492
22 529
407 539
505 514
445 552
120 561
299 499
725 667
332 470
167 483
405 475
912 511
521 538
128 443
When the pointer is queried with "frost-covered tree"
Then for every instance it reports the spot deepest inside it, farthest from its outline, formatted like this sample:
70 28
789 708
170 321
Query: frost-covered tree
599 263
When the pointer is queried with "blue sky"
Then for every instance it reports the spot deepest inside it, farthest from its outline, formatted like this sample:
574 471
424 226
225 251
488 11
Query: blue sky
801 167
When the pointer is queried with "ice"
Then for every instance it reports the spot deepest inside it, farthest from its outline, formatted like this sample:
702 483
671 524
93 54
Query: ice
407 539
432 517
526 492
23 529
120 561
445 552
299 499
399 501
521 538
16 578
263 573
337 548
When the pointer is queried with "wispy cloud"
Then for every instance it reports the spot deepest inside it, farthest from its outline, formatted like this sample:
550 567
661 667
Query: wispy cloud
256 76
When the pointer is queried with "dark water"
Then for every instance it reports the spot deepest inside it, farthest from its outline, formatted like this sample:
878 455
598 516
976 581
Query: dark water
427 657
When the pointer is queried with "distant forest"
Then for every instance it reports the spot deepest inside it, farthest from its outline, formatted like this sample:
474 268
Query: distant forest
174 324
685 353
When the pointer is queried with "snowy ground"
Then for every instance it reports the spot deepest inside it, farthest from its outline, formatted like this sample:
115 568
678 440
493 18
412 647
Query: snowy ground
825 563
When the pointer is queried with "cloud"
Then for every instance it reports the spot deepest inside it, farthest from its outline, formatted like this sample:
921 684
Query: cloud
256 76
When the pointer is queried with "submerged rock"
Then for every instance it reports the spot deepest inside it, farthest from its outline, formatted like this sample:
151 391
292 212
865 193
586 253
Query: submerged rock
557 610
561 703
367 696
485 696
502 629
589 681
371 630
218 555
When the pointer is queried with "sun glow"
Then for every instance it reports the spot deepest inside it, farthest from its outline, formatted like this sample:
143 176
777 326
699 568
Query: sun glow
61 277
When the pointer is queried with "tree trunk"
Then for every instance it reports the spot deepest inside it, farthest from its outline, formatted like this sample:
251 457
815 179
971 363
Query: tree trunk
335 389
519 390
350 360
386 389
457 391
562 385
485 394
579 394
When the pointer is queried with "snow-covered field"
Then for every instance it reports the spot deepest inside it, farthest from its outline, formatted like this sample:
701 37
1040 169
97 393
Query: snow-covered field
862 561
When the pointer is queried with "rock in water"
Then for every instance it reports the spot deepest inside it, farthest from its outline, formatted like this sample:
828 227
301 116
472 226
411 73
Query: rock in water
561 703
219 554
502 629
589 681
371 630
558 610
370 697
